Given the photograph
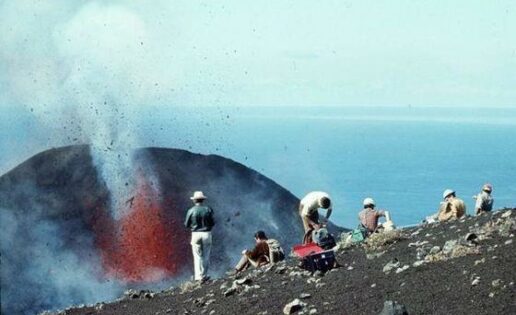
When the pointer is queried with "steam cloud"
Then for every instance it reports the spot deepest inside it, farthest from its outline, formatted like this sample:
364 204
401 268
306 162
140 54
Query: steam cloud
82 68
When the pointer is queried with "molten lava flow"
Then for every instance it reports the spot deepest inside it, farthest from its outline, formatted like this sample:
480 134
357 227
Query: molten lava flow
142 246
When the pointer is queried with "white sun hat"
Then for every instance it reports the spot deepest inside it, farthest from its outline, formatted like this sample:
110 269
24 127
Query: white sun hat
448 192
369 201
198 195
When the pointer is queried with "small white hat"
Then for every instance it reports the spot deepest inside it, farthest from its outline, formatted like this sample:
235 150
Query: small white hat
369 201
448 192
198 195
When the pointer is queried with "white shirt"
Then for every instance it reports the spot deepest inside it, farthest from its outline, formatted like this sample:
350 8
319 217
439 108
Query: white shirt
310 202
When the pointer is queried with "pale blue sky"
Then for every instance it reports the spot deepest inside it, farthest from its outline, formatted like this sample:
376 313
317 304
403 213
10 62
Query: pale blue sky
81 71
422 53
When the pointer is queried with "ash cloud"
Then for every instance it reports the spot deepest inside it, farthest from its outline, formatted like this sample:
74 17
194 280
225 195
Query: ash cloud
81 68
48 273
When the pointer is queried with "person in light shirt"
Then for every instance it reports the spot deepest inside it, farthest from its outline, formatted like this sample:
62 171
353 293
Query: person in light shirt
309 212
484 200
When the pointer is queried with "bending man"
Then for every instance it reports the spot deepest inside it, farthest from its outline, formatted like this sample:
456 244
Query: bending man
309 212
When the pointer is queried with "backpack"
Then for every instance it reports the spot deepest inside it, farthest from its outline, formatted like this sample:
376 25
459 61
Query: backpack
276 253
359 234
323 239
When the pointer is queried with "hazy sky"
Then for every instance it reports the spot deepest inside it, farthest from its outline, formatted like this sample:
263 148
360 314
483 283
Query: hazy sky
438 53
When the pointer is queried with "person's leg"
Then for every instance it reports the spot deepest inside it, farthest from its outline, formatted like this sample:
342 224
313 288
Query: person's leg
243 264
307 239
197 255
207 240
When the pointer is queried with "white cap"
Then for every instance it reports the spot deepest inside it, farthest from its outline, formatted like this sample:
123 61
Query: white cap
369 201
198 195
487 187
448 192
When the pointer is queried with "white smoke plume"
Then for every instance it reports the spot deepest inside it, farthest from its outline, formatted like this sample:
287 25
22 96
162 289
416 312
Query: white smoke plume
82 68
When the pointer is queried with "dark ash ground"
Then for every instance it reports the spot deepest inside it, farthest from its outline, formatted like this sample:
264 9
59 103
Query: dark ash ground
361 286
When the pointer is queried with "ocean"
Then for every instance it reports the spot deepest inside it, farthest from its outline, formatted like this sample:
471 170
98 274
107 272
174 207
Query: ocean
403 157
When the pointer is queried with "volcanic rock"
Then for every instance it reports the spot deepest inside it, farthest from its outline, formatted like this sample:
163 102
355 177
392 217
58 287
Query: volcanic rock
393 308
293 306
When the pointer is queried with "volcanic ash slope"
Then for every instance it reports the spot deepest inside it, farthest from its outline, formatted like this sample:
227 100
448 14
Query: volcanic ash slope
461 267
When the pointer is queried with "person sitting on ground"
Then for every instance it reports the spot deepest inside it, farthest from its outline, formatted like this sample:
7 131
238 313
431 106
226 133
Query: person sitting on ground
484 201
309 212
369 216
452 207
261 253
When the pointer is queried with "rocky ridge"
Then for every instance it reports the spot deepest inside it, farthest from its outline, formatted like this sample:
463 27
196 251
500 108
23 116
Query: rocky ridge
459 267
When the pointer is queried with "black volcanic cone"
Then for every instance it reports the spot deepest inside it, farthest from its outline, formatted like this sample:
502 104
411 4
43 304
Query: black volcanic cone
56 220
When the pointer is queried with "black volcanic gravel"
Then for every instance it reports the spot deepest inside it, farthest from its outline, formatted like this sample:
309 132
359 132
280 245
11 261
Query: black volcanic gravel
360 286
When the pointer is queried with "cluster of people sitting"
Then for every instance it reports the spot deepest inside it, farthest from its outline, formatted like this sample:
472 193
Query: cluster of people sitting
199 219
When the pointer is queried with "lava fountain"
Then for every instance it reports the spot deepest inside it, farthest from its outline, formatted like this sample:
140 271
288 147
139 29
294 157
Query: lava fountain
141 246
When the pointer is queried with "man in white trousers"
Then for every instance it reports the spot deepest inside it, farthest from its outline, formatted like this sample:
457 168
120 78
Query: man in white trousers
199 219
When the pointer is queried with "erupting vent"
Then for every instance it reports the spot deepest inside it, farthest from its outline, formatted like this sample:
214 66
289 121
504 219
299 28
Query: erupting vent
142 246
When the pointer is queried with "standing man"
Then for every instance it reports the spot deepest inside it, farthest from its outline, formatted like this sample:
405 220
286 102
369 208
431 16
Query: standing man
452 207
484 200
309 212
199 219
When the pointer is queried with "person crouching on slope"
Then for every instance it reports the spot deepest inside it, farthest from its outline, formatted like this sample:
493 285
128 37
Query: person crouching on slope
309 212
369 216
484 201
452 207
199 219
265 251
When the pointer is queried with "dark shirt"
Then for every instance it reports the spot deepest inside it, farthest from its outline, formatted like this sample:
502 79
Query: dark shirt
199 219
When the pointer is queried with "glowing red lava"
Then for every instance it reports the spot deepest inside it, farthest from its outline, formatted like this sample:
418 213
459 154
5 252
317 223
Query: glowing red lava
144 245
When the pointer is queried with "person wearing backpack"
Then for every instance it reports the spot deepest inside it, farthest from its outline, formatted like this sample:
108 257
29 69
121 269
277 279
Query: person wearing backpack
262 253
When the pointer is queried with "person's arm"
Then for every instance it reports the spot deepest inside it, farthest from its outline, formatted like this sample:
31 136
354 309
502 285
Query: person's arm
443 213
312 223
328 212
478 204
211 220
188 218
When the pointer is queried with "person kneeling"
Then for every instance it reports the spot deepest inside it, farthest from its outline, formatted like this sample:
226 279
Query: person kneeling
261 253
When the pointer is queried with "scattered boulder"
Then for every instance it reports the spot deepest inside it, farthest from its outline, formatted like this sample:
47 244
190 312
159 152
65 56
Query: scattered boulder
471 237
142 294
435 250
399 270
507 214
294 306
393 264
305 296
393 308
449 246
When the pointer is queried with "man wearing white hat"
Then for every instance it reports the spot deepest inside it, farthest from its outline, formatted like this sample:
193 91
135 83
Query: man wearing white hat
199 219
369 216
484 201
452 207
